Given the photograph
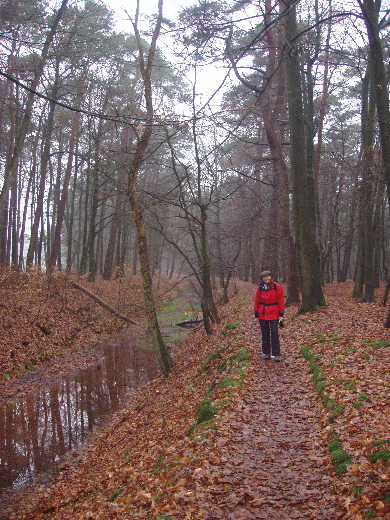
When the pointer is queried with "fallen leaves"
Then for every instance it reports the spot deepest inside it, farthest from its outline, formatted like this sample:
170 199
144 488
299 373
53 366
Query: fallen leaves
43 317
268 455
353 356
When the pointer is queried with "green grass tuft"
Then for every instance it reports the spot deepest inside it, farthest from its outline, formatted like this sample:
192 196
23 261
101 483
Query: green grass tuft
340 458
205 366
159 464
336 413
160 517
189 387
335 444
232 326
206 411
361 400
115 494
382 442
320 387
356 490
243 355
235 372
386 497
381 455
227 381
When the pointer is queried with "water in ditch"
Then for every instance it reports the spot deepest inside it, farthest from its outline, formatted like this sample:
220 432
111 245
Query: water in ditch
42 426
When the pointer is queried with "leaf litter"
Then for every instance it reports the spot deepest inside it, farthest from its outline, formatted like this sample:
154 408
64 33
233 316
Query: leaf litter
263 451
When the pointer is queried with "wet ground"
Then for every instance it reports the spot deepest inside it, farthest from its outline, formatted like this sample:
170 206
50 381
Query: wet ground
269 456
48 414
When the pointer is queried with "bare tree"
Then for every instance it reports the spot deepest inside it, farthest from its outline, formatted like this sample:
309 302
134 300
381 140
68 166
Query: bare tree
146 66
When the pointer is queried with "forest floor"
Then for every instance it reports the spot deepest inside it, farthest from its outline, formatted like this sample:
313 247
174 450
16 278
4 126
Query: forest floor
44 317
230 436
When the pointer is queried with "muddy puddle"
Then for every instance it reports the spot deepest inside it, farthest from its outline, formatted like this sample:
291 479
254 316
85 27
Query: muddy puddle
40 427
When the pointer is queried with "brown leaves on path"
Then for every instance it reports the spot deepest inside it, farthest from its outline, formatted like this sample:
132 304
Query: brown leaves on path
268 459
265 451
351 349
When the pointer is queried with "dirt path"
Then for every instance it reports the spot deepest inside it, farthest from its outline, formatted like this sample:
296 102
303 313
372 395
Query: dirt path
271 463
268 455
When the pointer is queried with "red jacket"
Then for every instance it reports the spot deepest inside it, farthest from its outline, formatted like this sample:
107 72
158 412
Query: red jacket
269 301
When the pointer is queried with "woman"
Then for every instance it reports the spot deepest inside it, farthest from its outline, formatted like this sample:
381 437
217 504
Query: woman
269 309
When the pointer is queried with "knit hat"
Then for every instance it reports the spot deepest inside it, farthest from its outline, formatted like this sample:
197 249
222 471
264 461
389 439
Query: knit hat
266 273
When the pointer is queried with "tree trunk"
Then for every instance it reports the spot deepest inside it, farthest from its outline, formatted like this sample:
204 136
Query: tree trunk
114 228
43 172
320 124
9 94
208 298
70 254
272 101
230 274
310 129
368 139
94 197
138 157
370 10
363 286
24 222
53 197
104 304
110 253
13 228
11 170
82 267
284 228
304 217
56 246
349 240
209 308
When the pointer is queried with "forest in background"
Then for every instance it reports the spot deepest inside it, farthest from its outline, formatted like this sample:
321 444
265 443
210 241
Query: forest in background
110 152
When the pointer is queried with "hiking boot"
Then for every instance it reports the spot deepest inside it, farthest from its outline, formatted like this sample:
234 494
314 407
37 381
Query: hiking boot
266 356
276 358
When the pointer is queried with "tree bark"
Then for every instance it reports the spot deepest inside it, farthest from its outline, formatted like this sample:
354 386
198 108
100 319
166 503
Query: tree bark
367 209
304 216
135 165
115 224
71 211
208 303
43 172
343 276
94 197
370 10
272 100
11 170
56 246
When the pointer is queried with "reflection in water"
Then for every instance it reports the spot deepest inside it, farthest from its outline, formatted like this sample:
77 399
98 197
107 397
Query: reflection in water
37 430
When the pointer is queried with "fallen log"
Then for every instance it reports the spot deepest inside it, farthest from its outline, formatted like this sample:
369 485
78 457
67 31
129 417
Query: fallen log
188 323
103 303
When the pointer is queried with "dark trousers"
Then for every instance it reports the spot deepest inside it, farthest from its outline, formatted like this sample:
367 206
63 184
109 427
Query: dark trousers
270 336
